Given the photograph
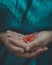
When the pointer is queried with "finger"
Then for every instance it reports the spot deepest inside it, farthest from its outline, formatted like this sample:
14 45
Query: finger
17 43
9 34
45 48
39 51
12 34
24 55
33 54
33 49
20 34
36 43
15 49
8 31
32 45
40 46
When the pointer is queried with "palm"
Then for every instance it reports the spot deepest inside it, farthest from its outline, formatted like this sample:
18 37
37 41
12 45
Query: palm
41 40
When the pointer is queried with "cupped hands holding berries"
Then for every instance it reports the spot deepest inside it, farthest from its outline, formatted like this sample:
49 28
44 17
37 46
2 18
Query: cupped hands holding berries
32 44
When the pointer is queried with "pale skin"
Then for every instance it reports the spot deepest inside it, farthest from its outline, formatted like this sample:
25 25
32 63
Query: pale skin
42 39
14 43
36 47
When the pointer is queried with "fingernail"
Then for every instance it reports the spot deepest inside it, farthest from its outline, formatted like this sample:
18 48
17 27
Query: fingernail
8 31
27 48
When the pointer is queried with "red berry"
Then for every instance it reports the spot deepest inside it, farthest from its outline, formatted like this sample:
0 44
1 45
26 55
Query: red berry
25 39
28 38
31 39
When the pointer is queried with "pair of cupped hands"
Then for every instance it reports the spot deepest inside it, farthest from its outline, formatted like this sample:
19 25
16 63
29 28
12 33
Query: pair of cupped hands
14 42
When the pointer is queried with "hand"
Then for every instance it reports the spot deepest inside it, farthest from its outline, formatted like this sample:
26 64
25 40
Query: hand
12 47
16 36
13 37
41 40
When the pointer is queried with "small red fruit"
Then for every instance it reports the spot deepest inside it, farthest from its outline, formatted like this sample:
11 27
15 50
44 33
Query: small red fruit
29 38
25 39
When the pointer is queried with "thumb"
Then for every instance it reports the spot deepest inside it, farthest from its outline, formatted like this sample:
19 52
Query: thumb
33 44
